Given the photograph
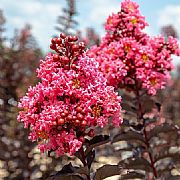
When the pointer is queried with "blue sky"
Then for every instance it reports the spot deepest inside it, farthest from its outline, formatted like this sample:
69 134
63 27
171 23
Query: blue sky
42 15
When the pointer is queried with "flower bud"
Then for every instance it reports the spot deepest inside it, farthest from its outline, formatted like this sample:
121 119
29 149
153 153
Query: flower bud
62 35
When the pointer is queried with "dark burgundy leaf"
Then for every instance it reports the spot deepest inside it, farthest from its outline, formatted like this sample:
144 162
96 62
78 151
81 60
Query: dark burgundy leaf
137 163
129 136
133 175
90 158
97 141
107 171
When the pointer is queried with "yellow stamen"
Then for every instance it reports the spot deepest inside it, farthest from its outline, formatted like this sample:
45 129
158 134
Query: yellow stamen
134 21
127 48
153 81
25 109
145 57
107 69
96 111
42 134
76 83
109 21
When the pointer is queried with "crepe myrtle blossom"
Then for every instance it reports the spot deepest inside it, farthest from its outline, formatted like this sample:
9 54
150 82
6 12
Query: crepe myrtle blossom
127 55
70 101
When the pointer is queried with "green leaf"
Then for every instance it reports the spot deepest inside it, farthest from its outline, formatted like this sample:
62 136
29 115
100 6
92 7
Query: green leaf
106 171
97 141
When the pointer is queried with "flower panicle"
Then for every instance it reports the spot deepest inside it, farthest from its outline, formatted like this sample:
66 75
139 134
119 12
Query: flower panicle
70 101
127 55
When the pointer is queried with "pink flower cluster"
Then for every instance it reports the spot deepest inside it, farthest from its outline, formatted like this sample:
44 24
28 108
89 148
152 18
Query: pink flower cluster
71 99
127 55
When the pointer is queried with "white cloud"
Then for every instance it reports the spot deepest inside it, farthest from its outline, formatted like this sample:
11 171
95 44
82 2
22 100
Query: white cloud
102 9
42 17
98 11
170 15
